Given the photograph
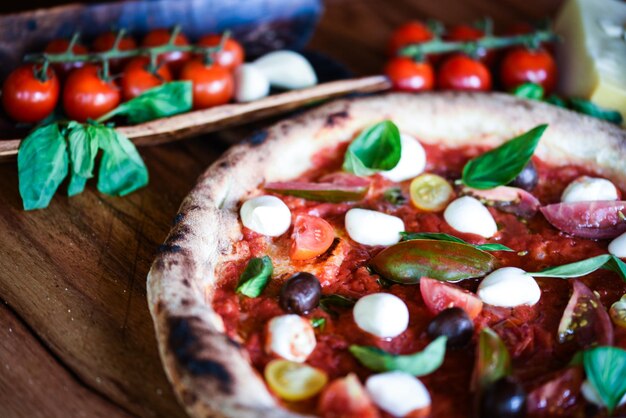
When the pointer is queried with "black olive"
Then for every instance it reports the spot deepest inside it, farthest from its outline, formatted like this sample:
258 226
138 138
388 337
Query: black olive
455 324
504 398
301 293
527 179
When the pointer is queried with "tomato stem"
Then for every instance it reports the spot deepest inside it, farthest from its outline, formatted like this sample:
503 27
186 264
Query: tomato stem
73 42
41 73
118 39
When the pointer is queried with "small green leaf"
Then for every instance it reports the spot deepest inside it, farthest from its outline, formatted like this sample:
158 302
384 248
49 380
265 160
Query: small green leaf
576 269
591 109
418 364
327 302
255 276
502 164
76 185
83 149
531 91
556 101
318 323
440 236
377 148
394 196
605 368
493 247
492 359
42 163
616 265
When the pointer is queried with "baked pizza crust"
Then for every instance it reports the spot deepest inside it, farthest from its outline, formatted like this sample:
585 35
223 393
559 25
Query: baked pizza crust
210 372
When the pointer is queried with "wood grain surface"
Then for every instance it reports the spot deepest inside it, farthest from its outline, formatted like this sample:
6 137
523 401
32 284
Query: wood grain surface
76 337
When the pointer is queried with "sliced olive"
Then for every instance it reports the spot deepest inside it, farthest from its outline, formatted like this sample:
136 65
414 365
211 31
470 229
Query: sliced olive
504 398
301 293
527 179
455 324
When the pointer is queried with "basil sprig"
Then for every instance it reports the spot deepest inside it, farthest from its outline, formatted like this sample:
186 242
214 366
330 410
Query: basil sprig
83 147
418 364
440 236
502 164
605 368
255 276
532 91
584 267
377 148
589 108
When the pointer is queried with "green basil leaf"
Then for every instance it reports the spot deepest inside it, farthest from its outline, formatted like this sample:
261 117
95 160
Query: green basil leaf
83 149
555 100
492 359
576 269
418 364
327 302
377 148
493 247
122 170
531 91
616 265
440 236
318 323
76 185
502 164
394 196
42 164
605 368
255 276
165 100
591 109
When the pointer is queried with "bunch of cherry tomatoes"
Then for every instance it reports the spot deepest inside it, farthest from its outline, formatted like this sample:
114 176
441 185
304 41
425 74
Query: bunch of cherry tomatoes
507 68
31 92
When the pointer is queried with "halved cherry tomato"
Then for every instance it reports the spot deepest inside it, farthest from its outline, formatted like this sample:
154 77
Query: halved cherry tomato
58 46
467 33
430 192
28 99
231 55
212 85
137 78
523 65
87 96
410 33
175 59
460 72
409 75
294 381
311 237
346 398
105 41
438 295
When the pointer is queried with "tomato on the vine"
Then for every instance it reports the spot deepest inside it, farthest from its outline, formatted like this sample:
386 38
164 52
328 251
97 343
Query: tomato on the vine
175 59
105 41
231 55
410 33
59 46
409 75
460 72
468 33
138 78
27 98
87 96
523 65
212 85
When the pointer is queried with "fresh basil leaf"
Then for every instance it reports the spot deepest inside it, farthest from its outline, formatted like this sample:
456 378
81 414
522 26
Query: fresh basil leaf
616 265
42 164
493 247
377 148
502 164
77 184
555 100
318 323
440 236
418 364
394 196
605 368
576 269
165 100
531 91
591 109
83 149
492 361
327 302
255 276
122 170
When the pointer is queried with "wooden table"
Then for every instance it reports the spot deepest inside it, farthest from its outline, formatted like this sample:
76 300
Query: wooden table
76 338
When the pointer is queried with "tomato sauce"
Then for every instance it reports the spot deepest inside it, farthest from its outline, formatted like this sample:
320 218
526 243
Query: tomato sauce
530 333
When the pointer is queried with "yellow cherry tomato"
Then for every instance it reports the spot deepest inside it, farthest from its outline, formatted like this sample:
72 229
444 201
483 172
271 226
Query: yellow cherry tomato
293 381
618 312
430 192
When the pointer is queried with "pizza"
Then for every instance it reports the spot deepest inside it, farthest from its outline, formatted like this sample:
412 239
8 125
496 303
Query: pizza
443 255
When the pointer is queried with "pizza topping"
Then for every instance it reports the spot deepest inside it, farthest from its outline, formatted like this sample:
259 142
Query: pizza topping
439 296
337 187
301 293
346 398
311 237
399 394
430 192
453 323
617 247
412 160
591 395
290 337
370 227
266 215
509 287
255 276
558 394
507 199
467 214
294 381
527 179
377 148
594 220
605 368
618 312
589 189
381 314
492 360
503 398
440 236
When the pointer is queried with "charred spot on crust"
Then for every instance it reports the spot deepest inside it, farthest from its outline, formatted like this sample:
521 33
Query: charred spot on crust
159 306
188 398
178 218
169 249
224 164
334 118
186 283
178 235
258 137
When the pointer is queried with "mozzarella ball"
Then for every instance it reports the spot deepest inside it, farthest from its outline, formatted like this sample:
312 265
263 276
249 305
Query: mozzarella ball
266 215
509 287
398 393
369 227
290 337
591 395
412 160
467 214
617 247
250 83
287 69
587 189
381 314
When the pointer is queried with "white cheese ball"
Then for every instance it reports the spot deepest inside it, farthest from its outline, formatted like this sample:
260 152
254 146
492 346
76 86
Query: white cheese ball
369 227
509 287
617 247
591 395
290 337
412 160
588 189
250 83
381 314
287 69
398 393
266 215
467 214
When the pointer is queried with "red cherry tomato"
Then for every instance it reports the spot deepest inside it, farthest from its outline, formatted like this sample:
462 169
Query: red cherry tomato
311 237
460 72
346 398
174 59
232 54
105 41
409 33
137 78
438 295
522 65
408 75
59 46
87 96
26 98
212 85
467 33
